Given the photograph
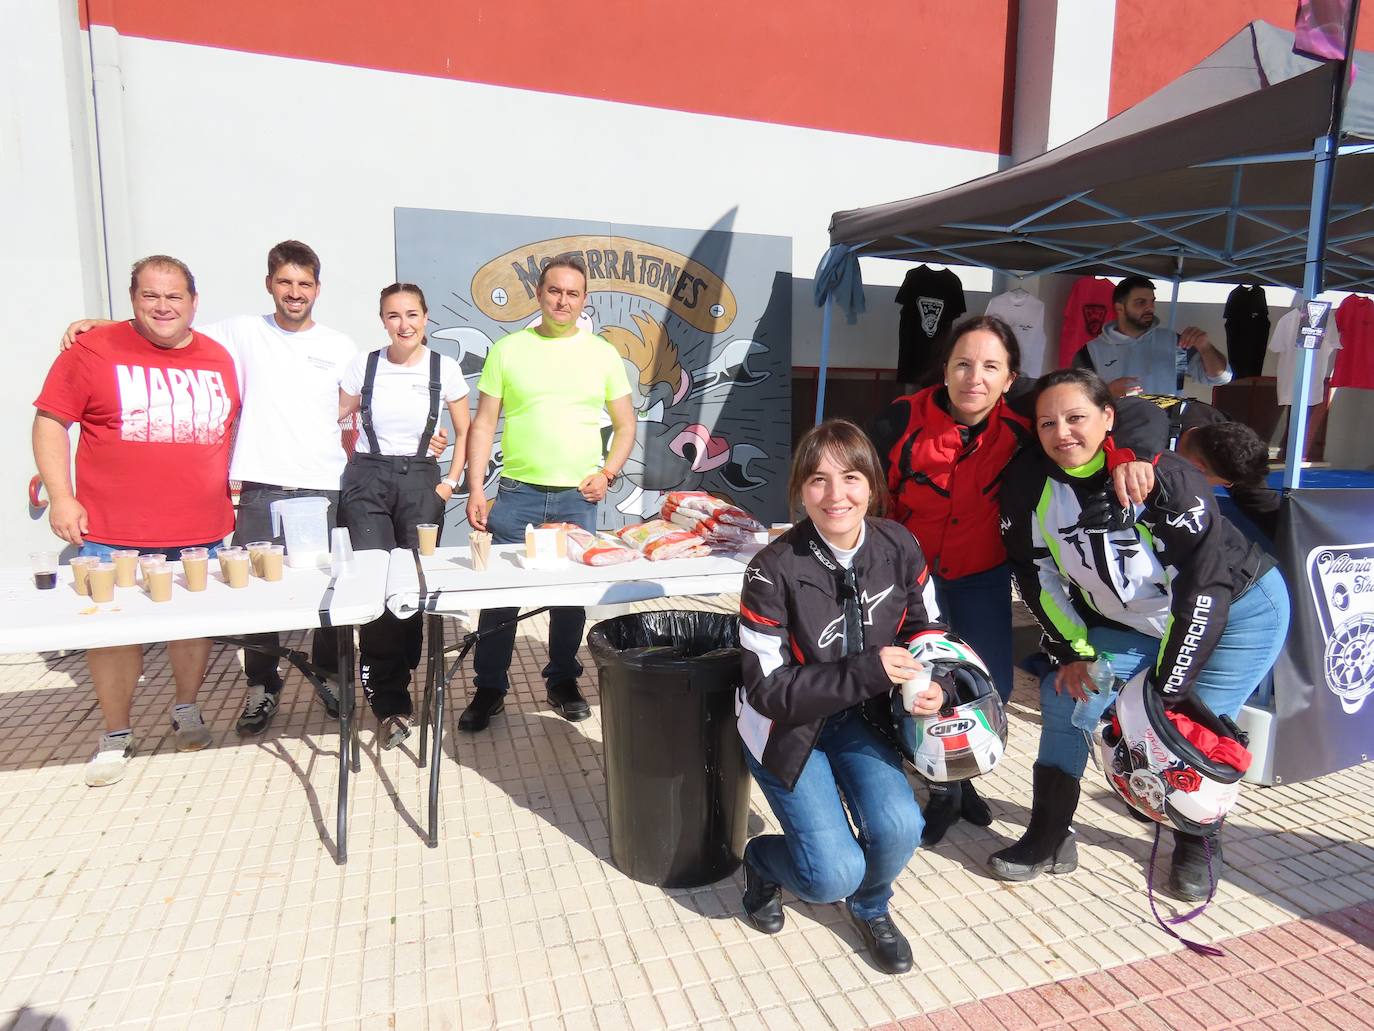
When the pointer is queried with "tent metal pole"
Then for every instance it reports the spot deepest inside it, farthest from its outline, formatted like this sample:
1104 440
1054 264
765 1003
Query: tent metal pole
1173 303
826 320
1324 151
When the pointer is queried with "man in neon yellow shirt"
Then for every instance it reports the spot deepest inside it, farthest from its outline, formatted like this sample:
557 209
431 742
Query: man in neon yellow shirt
552 381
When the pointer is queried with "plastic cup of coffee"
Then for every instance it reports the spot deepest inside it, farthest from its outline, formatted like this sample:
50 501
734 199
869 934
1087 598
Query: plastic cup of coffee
195 565
44 569
237 567
158 577
917 685
81 568
223 556
479 547
145 562
273 559
427 534
126 568
255 550
101 580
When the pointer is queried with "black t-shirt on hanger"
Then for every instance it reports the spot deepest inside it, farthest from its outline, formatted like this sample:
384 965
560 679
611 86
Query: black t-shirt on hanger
1247 330
930 301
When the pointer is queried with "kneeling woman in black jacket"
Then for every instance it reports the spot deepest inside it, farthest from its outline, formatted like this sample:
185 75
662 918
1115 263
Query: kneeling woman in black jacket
824 616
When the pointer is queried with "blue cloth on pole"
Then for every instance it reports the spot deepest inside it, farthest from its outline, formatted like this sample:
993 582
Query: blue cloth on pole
837 276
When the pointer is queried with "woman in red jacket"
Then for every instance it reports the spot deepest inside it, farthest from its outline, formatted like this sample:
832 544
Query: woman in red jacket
945 449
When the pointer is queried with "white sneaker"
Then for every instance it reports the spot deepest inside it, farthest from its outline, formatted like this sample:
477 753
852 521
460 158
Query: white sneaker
191 733
110 761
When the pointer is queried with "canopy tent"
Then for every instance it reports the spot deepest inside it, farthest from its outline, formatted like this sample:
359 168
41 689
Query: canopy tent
1210 177
1221 176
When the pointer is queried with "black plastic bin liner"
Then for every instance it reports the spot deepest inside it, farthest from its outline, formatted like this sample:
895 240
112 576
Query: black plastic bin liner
676 782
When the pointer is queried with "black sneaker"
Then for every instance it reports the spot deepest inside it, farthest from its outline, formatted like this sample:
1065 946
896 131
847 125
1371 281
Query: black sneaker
486 703
259 707
568 702
888 947
327 694
762 902
393 731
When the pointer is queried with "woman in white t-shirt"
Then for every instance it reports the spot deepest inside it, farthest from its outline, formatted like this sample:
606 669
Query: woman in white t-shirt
392 484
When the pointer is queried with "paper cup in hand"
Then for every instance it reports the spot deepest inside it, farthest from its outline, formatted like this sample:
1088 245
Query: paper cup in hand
479 547
914 688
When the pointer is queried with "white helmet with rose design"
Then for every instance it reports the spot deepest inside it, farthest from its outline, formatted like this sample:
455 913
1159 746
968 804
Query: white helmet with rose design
1180 767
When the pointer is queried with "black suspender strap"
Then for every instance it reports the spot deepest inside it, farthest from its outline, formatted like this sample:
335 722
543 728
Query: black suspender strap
423 448
369 379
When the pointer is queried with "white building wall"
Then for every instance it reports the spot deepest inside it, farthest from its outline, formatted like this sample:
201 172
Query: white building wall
50 256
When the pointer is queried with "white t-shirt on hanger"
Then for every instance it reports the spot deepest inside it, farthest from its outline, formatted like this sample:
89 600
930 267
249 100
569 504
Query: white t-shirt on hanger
1025 313
1284 342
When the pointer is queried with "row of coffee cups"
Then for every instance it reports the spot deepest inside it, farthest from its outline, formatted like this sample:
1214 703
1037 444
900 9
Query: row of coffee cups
96 578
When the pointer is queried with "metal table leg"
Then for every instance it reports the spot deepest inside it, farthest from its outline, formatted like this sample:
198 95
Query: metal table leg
446 674
436 631
348 735
433 626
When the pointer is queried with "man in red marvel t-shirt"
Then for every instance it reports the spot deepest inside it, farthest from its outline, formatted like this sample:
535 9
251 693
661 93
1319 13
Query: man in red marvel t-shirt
156 404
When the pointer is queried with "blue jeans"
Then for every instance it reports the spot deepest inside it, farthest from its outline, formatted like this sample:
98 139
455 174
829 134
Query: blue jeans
818 857
978 609
173 551
517 505
1255 630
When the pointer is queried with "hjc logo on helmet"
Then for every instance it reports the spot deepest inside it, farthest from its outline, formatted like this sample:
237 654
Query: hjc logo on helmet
951 728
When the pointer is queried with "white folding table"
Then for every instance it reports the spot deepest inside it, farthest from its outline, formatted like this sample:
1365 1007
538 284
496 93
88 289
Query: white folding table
445 584
60 619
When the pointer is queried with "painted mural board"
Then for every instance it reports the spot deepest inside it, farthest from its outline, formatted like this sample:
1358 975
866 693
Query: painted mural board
701 319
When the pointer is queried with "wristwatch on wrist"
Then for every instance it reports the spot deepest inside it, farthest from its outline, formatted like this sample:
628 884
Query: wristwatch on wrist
610 476
450 483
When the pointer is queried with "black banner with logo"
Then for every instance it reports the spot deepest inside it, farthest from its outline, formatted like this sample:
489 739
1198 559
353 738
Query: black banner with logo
1325 676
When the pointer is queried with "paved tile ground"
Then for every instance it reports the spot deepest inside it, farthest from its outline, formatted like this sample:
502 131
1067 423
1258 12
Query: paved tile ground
1305 974
202 891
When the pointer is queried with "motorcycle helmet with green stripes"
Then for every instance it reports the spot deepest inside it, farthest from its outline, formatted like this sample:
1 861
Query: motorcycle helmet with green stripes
968 736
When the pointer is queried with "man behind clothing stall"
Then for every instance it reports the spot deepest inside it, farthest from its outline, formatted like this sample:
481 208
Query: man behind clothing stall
156 403
1136 354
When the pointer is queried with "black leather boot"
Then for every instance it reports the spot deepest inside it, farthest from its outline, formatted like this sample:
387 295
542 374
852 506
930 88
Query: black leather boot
485 704
942 811
1189 876
889 948
1048 843
762 902
973 808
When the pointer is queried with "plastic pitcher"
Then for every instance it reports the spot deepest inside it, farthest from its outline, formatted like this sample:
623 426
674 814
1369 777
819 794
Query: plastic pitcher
307 529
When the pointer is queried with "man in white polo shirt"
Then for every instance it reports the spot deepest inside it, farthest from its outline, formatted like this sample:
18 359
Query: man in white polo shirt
288 443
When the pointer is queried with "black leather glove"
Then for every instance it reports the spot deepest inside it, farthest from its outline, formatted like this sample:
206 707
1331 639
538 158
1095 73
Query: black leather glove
1102 513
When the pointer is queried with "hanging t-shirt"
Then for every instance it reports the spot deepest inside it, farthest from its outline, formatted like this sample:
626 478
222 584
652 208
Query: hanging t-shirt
1088 309
289 429
1355 363
1025 313
1284 343
152 460
931 300
1247 330
400 398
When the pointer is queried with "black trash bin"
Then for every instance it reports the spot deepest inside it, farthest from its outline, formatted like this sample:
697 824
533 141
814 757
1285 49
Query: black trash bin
676 782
